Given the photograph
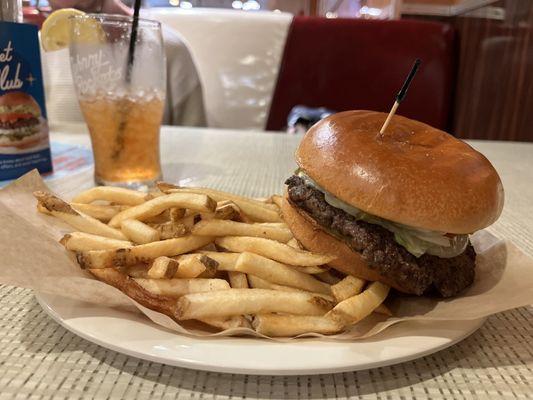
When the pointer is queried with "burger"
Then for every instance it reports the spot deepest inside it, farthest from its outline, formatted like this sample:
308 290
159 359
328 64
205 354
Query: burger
396 207
20 124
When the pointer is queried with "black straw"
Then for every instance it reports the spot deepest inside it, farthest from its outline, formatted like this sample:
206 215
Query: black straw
133 38
124 111
403 91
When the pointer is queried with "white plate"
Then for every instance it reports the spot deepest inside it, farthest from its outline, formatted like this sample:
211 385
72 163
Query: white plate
135 335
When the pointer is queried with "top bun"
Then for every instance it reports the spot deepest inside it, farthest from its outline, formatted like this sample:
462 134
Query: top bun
13 99
413 174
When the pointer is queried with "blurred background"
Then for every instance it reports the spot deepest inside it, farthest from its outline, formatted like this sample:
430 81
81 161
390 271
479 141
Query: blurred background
258 59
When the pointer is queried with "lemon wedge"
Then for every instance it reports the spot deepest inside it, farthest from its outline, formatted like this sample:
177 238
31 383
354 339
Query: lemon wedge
55 32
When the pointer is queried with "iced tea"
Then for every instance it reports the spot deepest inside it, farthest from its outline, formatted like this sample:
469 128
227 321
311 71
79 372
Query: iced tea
121 85
125 138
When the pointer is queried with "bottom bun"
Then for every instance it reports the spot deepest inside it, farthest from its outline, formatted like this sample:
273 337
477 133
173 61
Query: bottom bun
25 142
309 233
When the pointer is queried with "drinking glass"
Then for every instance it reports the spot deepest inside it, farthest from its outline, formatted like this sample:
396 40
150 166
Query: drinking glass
121 91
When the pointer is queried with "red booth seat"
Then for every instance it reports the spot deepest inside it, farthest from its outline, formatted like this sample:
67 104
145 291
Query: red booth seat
346 64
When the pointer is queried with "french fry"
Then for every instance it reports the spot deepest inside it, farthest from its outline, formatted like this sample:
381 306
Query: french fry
276 272
227 323
194 265
81 241
101 212
275 325
237 280
294 243
143 253
248 301
259 283
162 267
180 287
240 215
257 210
170 229
328 277
158 219
211 272
311 270
273 250
217 195
227 210
276 199
355 308
139 232
127 285
166 186
62 210
383 309
176 214
135 271
226 261
348 287
308 270
153 193
151 208
42 209
189 220
215 227
274 225
112 194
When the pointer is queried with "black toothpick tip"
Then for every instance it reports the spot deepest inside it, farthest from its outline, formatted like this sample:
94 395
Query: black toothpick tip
403 91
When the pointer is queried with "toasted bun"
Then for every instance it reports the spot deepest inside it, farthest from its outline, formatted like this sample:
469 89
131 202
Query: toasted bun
24 143
309 233
13 99
413 174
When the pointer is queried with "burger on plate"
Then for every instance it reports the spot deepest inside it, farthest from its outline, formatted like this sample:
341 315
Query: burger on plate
395 207
20 124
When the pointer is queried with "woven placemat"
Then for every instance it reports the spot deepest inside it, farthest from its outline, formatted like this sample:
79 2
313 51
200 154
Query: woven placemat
39 359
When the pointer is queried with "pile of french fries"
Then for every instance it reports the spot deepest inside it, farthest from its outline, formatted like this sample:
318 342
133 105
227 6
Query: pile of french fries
200 254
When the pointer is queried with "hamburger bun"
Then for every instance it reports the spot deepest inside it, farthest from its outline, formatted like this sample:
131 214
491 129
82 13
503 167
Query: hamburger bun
12 100
20 124
413 174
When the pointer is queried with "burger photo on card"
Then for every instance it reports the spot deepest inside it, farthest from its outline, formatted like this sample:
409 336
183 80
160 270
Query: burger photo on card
21 123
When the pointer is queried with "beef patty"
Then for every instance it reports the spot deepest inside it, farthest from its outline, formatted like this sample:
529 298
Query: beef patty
19 123
448 276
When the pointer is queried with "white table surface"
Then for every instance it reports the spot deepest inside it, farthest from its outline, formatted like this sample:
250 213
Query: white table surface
40 359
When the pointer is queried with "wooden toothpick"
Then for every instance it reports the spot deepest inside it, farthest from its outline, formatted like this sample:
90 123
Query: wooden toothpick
401 95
